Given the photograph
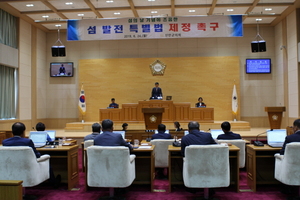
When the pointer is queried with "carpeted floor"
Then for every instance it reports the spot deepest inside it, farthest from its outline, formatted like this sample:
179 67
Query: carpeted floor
140 192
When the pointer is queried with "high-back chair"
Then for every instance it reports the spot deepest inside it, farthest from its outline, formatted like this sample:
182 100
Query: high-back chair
110 166
287 166
85 145
161 152
206 166
240 143
20 163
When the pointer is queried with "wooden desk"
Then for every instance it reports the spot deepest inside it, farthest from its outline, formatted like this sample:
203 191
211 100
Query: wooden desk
64 161
144 167
11 190
132 112
260 165
176 166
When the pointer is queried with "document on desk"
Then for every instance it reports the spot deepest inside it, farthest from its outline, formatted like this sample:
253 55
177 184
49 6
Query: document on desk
144 147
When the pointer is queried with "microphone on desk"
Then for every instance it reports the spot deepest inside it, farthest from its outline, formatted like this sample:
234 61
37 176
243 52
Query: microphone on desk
259 143
148 139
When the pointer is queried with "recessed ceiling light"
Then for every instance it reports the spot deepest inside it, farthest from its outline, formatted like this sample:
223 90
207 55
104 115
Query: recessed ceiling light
109 1
153 12
230 10
29 5
58 25
80 15
151 0
192 10
45 16
268 9
258 20
117 13
69 3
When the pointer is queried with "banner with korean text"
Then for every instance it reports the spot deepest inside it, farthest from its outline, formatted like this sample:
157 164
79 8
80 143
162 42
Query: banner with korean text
155 28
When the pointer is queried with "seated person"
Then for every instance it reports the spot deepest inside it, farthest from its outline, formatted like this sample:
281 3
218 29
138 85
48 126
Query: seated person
108 138
228 135
113 104
196 137
200 103
161 133
41 127
18 139
124 127
96 128
177 126
292 138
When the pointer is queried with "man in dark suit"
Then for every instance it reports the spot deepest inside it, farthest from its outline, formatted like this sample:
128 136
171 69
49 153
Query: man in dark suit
161 133
228 135
96 127
294 137
41 127
156 92
18 130
108 138
196 137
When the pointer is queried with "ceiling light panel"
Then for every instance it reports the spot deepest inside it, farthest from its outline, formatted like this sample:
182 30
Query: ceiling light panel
123 13
87 15
116 3
52 16
252 20
278 1
61 5
185 11
275 9
160 13
234 1
53 27
193 2
151 3
21 6
236 10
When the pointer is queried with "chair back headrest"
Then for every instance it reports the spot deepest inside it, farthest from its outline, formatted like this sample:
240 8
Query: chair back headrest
202 153
161 151
88 143
292 152
240 143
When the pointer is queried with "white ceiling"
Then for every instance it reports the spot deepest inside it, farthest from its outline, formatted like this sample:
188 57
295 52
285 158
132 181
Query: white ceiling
58 11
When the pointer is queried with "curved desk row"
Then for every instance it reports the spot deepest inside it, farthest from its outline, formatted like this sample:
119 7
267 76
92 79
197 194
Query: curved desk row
132 112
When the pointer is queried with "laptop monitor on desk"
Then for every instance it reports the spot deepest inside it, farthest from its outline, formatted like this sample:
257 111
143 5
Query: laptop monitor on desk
276 137
38 138
216 132
120 132
52 134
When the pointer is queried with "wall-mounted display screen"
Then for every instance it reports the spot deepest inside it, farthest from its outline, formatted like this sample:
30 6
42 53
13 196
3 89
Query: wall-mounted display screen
61 69
258 66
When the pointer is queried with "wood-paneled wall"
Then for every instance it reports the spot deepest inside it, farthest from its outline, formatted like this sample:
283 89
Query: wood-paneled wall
129 80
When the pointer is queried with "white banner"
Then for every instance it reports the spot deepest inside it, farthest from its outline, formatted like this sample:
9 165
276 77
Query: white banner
155 28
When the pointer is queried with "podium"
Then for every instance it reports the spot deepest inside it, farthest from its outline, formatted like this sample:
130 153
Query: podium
152 117
275 116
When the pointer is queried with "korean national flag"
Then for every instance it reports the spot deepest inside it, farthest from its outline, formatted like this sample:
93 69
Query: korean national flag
81 102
